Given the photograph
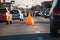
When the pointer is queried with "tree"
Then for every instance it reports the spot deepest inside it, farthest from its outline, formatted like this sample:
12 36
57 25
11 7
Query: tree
38 8
33 8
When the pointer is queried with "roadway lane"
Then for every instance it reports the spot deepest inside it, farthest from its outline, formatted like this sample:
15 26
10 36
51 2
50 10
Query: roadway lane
41 25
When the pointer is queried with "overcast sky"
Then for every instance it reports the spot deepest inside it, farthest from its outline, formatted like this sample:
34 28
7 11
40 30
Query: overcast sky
30 1
27 2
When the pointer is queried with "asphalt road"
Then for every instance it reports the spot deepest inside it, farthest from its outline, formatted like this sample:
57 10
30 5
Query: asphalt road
41 25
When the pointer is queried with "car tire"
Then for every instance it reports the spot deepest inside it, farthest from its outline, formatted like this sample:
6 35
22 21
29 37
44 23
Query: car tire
53 29
8 22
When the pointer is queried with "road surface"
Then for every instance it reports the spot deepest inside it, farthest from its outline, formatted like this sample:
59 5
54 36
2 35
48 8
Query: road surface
41 25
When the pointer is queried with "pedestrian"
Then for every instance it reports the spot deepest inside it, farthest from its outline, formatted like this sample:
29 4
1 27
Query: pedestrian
21 15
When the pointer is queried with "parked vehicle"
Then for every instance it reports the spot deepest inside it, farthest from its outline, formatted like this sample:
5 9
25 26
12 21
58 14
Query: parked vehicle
5 16
44 14
16 14
55 18
37 13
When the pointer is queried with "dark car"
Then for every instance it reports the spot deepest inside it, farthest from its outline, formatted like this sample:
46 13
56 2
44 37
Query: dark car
37 13
15 14
42 14
55 18
47 15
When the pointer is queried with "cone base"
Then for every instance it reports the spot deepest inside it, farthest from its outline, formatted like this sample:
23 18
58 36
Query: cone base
29 24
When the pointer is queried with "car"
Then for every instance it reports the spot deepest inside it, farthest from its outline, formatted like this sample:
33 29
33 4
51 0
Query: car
37 13
55 18
42 13
46 15
5 16
17 15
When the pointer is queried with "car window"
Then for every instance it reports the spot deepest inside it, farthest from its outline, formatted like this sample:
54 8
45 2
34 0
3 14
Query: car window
3 10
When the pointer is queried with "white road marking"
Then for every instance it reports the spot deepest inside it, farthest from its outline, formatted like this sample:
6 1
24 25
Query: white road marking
36 30
35 26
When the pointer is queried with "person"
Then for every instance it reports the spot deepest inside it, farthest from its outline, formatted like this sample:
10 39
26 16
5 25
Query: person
8 12
21 15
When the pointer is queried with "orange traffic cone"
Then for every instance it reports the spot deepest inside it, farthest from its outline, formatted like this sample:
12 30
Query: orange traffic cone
29 20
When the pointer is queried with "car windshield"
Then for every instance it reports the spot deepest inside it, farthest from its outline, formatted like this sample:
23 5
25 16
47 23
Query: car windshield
14 11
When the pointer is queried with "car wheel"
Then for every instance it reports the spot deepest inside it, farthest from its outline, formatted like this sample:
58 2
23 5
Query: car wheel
53 29
8 22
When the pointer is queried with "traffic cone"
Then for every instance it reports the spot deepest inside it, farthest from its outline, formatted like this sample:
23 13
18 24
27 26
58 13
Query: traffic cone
29 20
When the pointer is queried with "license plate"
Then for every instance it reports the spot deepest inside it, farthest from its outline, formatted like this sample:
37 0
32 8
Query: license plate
16 15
